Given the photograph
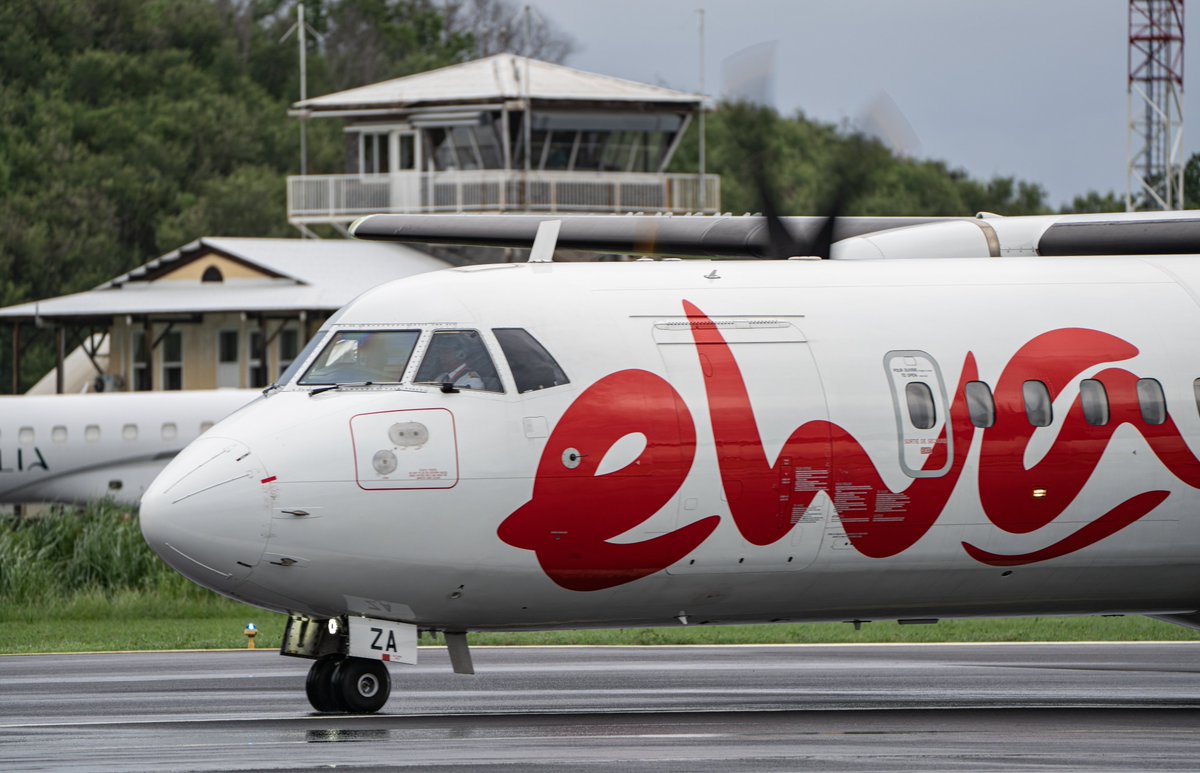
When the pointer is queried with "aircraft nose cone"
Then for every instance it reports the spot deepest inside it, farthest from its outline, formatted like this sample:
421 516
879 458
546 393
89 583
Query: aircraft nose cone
208 512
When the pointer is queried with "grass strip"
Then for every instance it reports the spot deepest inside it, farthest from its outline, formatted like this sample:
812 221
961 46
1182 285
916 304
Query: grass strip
225 631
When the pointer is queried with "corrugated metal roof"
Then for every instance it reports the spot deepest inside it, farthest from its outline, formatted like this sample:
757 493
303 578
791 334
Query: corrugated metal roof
311 274
495 78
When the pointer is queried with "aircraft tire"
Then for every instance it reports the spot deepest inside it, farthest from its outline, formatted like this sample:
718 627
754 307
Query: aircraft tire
319 685
362 685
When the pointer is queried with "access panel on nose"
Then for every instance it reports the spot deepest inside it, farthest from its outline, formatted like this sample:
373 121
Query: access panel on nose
414 449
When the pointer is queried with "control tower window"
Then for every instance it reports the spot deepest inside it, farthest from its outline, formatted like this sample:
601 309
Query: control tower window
532 366
459 357
362 356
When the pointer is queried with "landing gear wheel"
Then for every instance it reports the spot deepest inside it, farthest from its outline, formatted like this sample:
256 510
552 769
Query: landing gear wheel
361 685
319 686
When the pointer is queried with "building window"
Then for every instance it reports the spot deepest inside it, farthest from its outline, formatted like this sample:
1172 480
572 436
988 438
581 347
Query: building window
139 361
212 274
254 360
373 153
229 367
172 360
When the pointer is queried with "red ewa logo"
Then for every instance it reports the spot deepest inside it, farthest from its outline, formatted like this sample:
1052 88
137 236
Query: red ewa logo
574 513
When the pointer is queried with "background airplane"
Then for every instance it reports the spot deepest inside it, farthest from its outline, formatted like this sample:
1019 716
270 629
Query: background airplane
76 448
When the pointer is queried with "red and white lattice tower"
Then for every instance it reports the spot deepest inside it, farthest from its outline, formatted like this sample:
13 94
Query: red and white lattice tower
1154 178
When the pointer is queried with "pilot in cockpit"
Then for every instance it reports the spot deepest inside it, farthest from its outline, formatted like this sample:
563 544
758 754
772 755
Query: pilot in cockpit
453 363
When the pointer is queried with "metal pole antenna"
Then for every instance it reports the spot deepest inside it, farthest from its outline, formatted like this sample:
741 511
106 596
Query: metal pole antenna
301 28
303 88
703 201
528 104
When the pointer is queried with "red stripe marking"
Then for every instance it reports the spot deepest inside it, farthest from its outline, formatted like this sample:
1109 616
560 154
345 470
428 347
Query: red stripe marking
269 480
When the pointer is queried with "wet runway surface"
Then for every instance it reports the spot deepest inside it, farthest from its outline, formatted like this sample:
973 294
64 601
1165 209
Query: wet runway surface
917 707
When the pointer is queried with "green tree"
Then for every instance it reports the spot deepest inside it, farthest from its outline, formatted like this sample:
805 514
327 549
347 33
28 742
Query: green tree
809 165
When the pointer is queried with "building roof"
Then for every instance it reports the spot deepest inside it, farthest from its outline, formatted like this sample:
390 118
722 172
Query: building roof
282 275
496 78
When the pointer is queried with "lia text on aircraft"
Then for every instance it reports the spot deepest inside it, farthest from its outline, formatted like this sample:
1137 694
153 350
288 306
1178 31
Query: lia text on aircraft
700 442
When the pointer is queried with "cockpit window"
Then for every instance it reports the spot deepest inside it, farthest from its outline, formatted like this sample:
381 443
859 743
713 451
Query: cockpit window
459 357
300 359
358 356
532 366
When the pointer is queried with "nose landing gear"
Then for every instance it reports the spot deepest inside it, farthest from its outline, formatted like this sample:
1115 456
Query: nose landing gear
349 673
355 685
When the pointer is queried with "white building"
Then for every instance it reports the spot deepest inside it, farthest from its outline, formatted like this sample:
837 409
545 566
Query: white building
220 312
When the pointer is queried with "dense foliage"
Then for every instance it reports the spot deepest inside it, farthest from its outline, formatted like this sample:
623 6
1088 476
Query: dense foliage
97 549
808 164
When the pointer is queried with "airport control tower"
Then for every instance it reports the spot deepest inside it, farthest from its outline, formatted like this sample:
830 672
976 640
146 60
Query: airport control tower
503 134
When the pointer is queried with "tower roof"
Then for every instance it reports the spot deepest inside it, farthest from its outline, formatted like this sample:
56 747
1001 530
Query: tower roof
497 78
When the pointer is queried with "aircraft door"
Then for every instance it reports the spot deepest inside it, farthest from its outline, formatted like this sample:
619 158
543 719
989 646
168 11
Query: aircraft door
922 412
776 366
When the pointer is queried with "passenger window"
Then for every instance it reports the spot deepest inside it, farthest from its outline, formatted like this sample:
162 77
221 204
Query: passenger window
25 435
532 366
1095 402
1196 391
921 411
459 357
361 356
59 434
1038 408
169 430
1152 401
129 432
205 426
91 433
980 404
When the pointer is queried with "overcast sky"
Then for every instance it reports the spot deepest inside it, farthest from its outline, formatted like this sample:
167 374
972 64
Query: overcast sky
1029 88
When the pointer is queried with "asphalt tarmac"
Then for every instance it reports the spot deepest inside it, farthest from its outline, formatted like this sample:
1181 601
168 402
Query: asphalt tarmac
908 707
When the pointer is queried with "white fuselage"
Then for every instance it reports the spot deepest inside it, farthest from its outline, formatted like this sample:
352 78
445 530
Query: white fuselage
739 441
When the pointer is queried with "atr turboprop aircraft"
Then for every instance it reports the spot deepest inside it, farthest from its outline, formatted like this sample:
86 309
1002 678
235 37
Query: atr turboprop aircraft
701 442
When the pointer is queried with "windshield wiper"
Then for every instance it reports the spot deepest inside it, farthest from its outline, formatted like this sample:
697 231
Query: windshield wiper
321 389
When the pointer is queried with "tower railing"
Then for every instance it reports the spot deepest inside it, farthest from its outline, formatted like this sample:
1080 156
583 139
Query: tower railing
342 197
